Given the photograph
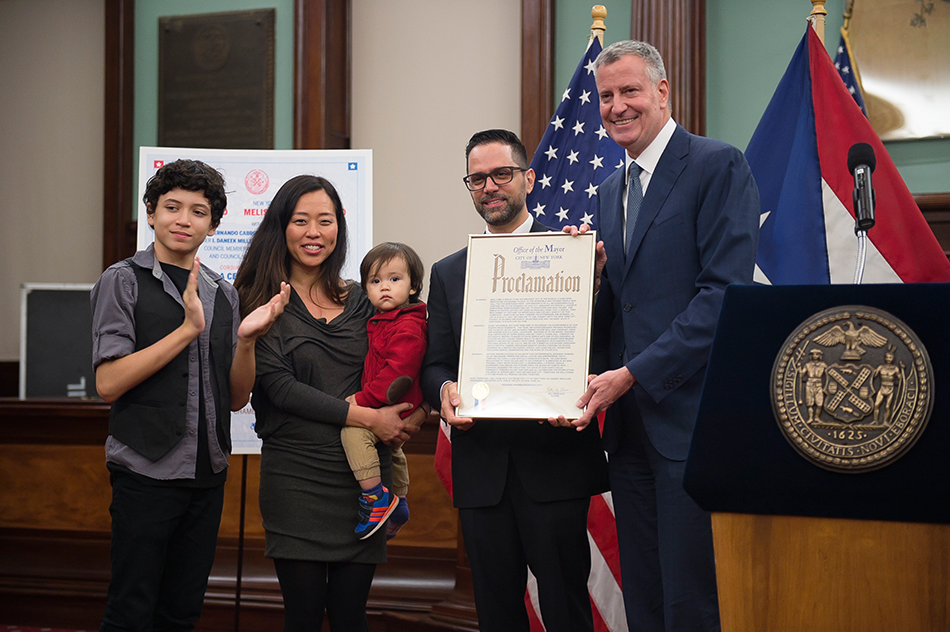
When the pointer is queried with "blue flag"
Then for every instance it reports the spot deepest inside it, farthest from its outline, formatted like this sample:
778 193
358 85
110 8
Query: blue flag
575 154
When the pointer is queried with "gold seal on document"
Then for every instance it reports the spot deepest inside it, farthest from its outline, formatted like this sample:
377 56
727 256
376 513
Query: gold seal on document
852 388
480 390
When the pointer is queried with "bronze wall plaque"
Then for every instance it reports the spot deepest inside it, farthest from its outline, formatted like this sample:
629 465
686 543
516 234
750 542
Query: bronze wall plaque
216 80
852 388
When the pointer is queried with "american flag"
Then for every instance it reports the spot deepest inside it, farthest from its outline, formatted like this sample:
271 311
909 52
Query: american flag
844 64
575 154
574 157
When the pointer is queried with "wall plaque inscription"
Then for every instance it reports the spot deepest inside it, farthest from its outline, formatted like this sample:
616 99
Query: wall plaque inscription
216 80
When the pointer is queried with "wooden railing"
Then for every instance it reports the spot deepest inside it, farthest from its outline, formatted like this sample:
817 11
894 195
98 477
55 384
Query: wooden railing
55 530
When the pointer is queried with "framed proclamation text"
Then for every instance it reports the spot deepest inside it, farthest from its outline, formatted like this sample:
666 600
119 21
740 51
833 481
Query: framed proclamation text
526 325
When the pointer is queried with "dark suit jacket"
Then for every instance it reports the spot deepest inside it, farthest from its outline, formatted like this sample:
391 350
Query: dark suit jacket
658 306
553 463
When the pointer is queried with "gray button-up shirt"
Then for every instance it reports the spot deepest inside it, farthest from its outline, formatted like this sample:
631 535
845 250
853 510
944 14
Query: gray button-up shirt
113 336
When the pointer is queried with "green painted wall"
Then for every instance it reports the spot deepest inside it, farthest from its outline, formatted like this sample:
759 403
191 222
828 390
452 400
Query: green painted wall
146 63
748 46
572 26
748 43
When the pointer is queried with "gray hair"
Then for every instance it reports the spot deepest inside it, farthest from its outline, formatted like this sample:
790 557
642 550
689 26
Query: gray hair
650 56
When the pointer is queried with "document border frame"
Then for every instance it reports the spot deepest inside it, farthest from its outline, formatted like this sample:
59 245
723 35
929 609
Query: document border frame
582 246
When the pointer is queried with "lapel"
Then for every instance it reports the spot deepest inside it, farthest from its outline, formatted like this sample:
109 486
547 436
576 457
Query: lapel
610 221
538 227
668 170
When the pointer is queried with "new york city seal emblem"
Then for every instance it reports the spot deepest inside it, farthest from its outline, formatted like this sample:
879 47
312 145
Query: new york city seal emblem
852 388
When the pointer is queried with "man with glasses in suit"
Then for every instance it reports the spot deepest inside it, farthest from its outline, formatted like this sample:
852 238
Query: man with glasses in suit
522 487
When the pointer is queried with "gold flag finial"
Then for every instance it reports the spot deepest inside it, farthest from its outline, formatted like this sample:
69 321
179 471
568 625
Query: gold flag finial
817 18
598 13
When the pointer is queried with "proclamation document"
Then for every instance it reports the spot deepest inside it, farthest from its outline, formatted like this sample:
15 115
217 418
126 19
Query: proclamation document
526 325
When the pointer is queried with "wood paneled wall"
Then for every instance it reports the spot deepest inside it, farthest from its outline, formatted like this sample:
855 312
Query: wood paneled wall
936 210
537 69
677 28
55 529
321 102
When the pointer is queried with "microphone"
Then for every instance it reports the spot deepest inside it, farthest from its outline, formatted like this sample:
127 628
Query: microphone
861 163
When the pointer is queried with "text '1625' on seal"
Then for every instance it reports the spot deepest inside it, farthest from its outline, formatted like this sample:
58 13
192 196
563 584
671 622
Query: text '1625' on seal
852 388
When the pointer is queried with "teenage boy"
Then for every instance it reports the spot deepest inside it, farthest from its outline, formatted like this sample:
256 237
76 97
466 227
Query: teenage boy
173 358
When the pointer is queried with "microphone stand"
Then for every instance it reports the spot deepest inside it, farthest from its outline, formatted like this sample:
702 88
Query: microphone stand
861 163
862 255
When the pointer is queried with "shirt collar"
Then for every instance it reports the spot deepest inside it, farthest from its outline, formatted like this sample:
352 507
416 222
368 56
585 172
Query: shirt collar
525 226
147 259
650 157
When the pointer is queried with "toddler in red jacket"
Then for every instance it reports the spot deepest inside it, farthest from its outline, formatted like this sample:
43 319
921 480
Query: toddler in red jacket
391 275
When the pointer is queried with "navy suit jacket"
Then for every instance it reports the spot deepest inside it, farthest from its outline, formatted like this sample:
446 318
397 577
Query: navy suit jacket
552 463
697 232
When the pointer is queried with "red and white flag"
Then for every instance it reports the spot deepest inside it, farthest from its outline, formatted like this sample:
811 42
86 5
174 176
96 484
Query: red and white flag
799 157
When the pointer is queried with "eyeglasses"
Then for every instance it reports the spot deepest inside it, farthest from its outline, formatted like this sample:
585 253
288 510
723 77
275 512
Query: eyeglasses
500 176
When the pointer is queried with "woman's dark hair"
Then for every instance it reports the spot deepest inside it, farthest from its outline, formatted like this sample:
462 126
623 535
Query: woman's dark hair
386 252
190 175
267 261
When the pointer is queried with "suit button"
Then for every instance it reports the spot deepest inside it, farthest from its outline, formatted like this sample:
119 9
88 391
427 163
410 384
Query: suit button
627 307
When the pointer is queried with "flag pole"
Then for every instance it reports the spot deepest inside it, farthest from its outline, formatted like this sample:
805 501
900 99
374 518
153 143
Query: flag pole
846 36
598 12
860 232
574 157
817 18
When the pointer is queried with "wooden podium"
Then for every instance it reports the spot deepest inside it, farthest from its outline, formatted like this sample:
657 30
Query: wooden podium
800 547
828 574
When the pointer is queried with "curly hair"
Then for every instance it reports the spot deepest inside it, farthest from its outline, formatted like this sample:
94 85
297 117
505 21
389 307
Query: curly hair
190 175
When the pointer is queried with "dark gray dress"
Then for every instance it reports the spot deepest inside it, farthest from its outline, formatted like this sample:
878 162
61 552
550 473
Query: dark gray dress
308 495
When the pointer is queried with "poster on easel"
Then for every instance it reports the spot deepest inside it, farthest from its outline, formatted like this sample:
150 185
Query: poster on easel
252 178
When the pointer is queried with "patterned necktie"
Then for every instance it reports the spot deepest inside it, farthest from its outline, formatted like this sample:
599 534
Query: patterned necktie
634 200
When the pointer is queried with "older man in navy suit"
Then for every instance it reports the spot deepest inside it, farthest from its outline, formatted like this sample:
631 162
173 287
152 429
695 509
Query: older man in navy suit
680 223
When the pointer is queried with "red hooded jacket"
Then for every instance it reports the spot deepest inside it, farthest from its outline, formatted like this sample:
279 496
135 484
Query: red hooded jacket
397 343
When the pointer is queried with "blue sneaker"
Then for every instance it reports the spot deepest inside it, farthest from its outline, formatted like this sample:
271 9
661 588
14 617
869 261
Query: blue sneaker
375 507
398 518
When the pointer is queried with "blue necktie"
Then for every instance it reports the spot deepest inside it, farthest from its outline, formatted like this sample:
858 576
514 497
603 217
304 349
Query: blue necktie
634 201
